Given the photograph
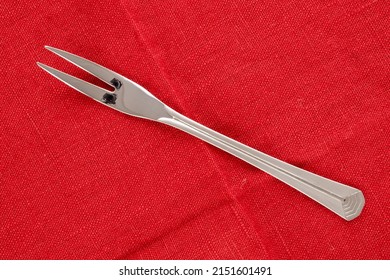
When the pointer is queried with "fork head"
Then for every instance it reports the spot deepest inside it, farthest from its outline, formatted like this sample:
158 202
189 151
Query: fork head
127 96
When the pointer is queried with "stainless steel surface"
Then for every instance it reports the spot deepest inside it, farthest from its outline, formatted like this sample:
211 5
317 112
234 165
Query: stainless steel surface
132 99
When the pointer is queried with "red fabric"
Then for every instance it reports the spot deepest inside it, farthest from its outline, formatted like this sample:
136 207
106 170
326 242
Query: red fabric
304 81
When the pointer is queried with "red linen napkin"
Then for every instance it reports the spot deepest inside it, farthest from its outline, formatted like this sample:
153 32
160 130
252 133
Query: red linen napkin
304 81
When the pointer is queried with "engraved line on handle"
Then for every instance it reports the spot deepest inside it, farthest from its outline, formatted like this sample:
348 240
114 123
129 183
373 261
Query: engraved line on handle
261 160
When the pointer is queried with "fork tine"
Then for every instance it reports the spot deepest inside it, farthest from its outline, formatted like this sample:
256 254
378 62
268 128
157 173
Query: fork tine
93 68
84 87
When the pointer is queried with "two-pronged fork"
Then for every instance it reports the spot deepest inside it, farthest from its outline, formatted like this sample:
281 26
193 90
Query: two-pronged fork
132 99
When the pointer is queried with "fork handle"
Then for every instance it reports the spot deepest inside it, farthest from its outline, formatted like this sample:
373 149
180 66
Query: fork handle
343 200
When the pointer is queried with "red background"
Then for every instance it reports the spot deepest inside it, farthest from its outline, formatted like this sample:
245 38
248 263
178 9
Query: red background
304 81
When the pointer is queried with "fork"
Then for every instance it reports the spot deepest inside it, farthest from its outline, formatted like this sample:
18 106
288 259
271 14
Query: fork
130 98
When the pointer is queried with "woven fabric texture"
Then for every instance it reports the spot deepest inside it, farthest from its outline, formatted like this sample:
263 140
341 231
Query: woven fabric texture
307 82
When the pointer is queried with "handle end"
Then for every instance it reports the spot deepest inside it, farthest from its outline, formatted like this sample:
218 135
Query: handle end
353 205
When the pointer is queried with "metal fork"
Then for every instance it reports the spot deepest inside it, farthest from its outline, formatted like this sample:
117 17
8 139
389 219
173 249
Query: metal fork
132 99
